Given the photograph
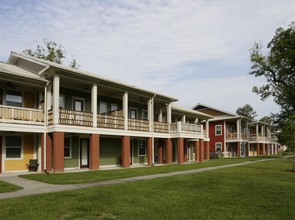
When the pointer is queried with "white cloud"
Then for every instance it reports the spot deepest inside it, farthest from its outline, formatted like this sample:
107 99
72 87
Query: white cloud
158 45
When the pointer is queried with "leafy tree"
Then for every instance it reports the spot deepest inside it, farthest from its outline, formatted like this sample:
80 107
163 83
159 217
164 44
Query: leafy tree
278 67
247 111
51 51
267 120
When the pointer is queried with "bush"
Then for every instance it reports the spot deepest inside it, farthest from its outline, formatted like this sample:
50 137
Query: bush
214 155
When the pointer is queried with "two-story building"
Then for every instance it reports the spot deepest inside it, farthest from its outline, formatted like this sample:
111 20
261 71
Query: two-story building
72 119
234 135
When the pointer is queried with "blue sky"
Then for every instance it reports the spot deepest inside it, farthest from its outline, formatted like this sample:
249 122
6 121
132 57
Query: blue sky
193 50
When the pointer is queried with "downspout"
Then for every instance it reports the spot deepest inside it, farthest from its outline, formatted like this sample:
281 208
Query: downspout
45 126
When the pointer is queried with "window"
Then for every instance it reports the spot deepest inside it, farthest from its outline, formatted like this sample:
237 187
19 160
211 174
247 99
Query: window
133 113
103 108
218 146
78 104
14 98
141 148
61 101
114 107
218 130
13 147
67 148
144 115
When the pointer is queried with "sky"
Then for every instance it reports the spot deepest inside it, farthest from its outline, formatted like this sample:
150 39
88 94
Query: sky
194 50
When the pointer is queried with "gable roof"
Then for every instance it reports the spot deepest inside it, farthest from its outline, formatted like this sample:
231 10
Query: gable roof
212 110
190 111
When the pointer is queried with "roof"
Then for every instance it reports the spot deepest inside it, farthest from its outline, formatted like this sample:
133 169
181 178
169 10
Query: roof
202 106
92 77
190 111
17 71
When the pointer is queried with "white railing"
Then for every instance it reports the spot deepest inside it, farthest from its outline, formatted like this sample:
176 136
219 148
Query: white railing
110 121
186 127
138 125
161 127
18 115
71 117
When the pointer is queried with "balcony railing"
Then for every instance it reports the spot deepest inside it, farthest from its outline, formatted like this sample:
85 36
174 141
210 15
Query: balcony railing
18 115
234 136
71 117
258 138
110 121
161 127
138 125
186 127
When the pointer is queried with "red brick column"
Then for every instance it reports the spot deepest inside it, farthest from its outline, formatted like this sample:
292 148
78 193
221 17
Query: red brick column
149 151
207 150
125 151
94 151
201 156
263 149
49 152
266 149
185 151
160 152
197 151
180 150
239 149
169 151
58 151
258 149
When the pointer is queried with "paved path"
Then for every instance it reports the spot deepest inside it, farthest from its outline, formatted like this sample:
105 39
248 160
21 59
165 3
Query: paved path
31 187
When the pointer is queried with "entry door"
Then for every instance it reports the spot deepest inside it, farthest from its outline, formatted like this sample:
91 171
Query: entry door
84 153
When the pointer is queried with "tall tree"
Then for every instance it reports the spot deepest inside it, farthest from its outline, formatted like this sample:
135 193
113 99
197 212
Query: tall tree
51 51
278 67
266 119
247 111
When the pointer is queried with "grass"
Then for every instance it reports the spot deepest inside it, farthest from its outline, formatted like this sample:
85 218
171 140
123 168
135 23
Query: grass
7 187
101 175
258 191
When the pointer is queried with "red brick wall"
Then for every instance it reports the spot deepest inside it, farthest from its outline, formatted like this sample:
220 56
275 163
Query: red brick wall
201 150
58 151
169 151
149 151
216 138
197 152
94 151
180 150
125 151
49 152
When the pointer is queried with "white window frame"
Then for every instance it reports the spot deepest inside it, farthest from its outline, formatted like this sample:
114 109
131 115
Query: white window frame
21 148
142 113
136 110
70 148
78 99
216 126
218 143
106 106
141 147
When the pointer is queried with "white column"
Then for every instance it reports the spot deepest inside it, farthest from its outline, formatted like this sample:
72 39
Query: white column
151 113
160 116
169 115
257 131
94 105
207 128
49 95
125 110
183 119
56 82
238 128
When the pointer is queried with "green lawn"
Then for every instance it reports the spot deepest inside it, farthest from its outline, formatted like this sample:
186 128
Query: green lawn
100 175
7 187
263 190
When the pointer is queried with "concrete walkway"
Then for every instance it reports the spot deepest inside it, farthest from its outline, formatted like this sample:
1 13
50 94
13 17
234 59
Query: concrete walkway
31 187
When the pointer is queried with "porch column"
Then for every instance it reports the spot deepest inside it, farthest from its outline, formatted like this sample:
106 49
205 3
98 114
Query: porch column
150 113
239 149
126 151
125 110
56 82
42 158
207 129
263 149
258 149
169 113
238 128
160 152
58 152
257 131
49 150
168 151
201 156
94 151
149 151
266 149
197 151
185 151
94 105
48 97
160 116
207 150
183 119
180 150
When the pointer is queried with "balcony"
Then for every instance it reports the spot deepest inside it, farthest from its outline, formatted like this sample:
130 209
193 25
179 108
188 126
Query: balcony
110 121
71 117
258 138
138 125
234 136
18 115
186 127
161 127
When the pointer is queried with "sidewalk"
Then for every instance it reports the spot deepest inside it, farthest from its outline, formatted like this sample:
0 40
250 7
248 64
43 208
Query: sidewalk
31 187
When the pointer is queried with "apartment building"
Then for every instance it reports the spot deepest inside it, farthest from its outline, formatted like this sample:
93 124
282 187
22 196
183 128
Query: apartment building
71 119
233 135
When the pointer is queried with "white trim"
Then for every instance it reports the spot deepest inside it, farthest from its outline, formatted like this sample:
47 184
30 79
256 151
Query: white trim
144 146
70 147
78 99
21 147
142 112
133 108
217 143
